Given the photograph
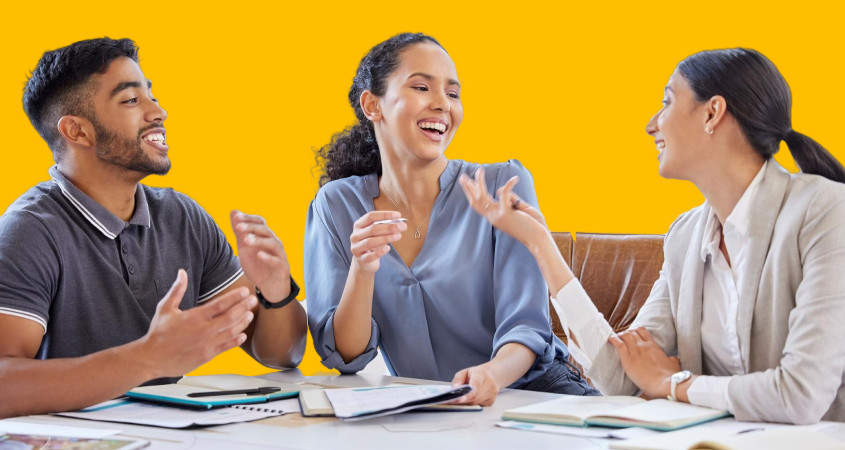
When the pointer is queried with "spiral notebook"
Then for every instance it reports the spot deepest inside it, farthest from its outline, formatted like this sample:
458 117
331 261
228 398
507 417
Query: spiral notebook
157 415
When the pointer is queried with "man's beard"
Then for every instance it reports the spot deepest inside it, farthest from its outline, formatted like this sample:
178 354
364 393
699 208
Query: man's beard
126 152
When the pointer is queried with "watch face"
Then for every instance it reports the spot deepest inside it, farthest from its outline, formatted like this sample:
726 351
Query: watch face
680 376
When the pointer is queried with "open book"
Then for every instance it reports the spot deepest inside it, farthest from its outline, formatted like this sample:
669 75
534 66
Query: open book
181 392
363 403
737 436
315 403
615 411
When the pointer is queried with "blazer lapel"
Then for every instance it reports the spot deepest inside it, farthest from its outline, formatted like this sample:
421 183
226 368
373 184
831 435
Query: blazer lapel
764 214
688 324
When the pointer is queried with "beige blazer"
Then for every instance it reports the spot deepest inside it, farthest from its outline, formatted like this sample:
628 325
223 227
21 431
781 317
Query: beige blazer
791 316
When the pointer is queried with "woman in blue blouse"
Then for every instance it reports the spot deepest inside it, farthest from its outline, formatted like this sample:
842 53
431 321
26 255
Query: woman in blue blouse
414 289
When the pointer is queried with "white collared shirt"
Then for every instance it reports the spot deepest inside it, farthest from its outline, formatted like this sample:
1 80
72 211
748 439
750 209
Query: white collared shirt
721 356
722 283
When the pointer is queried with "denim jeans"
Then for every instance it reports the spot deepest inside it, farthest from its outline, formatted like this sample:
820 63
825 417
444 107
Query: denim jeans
561 378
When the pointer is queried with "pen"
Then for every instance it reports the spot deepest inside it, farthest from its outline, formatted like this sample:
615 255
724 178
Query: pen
256 391
380 222
749 430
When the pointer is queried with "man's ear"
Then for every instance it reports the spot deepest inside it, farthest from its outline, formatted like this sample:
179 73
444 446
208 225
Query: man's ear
76 131
370 106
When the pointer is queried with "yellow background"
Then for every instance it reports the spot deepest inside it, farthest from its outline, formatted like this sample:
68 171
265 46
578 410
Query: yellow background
565 87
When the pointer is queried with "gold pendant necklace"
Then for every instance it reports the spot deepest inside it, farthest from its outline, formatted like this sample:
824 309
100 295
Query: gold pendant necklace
417 234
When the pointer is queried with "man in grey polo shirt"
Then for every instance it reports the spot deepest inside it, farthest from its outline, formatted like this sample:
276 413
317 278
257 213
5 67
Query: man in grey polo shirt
93 296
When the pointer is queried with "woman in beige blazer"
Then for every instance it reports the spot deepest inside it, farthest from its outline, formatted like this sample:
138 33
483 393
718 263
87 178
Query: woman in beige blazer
748 314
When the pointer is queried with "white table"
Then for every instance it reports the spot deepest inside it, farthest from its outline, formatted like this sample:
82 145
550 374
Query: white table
407 431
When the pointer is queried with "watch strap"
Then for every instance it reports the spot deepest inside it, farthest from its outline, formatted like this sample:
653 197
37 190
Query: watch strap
294 291
675 380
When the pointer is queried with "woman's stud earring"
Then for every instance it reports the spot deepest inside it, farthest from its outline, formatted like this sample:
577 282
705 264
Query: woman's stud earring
708 130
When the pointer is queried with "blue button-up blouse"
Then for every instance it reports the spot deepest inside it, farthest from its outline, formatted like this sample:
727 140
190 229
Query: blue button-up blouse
471 289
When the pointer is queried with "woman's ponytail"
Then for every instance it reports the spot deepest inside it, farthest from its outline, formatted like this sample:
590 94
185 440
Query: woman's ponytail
811 157
353 151
759 98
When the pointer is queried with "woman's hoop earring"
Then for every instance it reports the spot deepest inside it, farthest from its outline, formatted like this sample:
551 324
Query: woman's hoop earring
708 130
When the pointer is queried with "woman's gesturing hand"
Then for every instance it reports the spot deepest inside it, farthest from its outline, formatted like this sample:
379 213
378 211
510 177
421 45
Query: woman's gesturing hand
371 240
509 213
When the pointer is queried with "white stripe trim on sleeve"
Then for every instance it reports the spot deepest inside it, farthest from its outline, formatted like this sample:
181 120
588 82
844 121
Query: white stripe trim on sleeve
25 315
210 294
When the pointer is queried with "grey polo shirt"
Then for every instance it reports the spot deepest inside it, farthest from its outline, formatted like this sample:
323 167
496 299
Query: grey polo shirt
93 281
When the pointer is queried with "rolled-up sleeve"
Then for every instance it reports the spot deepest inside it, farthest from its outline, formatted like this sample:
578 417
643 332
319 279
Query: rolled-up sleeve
520 294
326 268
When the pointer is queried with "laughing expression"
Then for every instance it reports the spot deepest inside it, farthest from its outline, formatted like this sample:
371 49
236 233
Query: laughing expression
678 131
128 122
421 107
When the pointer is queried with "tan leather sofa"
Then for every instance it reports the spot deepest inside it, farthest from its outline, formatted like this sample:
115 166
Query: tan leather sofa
616 270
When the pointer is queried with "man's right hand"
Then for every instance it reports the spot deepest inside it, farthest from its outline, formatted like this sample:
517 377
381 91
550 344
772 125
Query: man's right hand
180 341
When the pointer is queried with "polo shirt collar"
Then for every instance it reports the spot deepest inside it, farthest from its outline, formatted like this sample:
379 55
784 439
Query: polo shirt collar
101 218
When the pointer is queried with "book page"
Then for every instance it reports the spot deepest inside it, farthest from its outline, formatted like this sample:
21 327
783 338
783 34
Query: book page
354 402
780 439
662 411
714 431
575 406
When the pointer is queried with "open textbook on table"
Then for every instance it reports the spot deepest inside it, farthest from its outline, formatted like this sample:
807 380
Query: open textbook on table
729 435
315 403
615 411
363 403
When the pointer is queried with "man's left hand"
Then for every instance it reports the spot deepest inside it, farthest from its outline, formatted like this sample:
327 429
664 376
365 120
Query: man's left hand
262 255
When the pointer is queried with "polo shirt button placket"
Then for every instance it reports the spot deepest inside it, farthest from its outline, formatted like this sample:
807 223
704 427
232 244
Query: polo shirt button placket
131 269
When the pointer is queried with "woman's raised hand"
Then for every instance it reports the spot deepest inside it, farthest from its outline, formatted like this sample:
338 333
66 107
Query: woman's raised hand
370 240
509 213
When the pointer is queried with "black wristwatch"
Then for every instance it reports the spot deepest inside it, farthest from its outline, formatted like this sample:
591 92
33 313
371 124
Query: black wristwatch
294 291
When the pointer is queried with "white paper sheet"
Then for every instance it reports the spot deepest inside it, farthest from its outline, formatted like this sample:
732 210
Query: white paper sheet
592 432
126 411
15 427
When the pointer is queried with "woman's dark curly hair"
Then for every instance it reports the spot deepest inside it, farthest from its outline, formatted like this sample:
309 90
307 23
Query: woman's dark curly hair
354 151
